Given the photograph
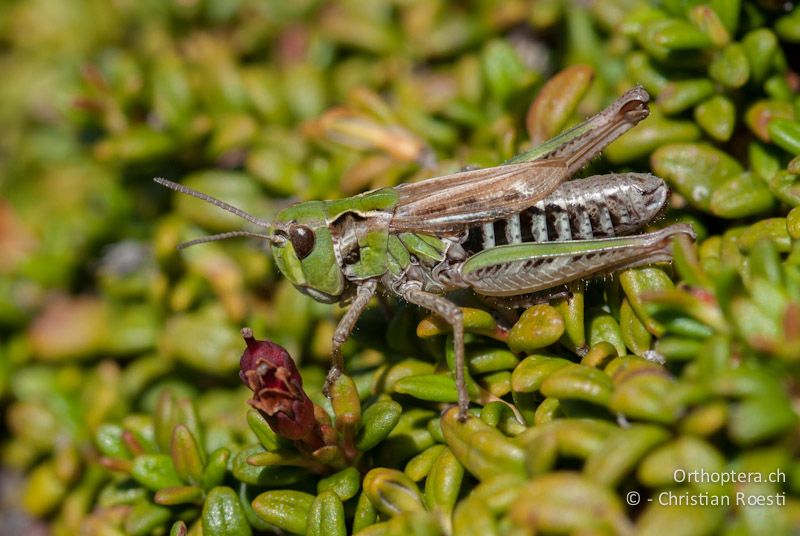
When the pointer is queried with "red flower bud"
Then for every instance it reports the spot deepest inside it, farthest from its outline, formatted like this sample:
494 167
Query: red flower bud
268 370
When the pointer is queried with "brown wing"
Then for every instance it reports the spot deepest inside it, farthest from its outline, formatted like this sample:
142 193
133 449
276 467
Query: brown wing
450 203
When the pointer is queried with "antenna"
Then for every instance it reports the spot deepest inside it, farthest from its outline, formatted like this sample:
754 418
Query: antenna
216 202
225 236
224 206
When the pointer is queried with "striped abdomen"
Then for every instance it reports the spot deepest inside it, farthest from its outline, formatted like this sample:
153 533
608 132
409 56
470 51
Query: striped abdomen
601 206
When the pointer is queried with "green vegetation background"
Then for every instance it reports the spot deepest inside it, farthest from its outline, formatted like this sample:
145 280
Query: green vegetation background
123 412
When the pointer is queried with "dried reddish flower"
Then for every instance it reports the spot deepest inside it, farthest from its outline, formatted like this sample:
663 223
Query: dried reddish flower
269 371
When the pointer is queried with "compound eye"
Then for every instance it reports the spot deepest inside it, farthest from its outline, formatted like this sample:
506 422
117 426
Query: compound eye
302 238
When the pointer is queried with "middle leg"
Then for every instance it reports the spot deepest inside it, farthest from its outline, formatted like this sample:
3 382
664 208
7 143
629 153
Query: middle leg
451 313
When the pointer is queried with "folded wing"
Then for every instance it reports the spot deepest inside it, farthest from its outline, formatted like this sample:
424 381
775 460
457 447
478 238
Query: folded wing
451 203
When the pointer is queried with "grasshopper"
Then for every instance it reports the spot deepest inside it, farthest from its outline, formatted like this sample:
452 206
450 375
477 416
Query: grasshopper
505 232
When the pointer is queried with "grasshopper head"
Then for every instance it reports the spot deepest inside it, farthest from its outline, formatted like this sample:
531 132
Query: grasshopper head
301 243
302 246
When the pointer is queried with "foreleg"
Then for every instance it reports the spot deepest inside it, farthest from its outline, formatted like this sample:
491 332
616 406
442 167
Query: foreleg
364 294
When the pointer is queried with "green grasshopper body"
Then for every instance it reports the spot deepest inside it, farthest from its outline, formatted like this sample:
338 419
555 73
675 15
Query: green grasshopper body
504 232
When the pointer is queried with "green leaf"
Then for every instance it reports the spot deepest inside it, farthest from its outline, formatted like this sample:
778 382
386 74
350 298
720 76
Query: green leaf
430 387
696 170
785 134
568 503
216 468
326 516
483 450
223 515
178 495
539 326
286 509
155 471
392 492
346 483
146 517
186 455
377 422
